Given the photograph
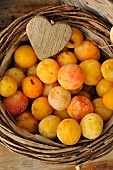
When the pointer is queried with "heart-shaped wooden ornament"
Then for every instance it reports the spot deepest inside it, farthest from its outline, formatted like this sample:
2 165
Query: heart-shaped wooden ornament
47 39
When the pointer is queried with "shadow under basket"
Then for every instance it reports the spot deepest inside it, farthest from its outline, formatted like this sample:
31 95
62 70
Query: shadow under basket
35 146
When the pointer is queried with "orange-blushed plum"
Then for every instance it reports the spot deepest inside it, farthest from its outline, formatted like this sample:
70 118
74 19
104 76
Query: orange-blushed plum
47 70
71 76
107 69
63 114
8 86
17 74
108 99
32 86
66 57
87 50
48 126
48 87
91 126
27 121
69 131
101 109
92 71
79 107
103 86
76 38
59 98
16 104
41 108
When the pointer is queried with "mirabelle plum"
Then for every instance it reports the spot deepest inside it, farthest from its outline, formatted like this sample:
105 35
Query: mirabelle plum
59 98
103 86
91 90
87 50
71 76
101 109
48 87
63 50
27 121
108 99
66 57
91 126
16 103
41 108
85 93
76 38
92 71
76 91
48 126
107 69
32 86
25 56
79 107
32 71
47 71
69 131
8 86
17 74
63 114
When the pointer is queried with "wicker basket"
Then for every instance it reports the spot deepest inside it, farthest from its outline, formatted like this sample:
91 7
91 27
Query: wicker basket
36 146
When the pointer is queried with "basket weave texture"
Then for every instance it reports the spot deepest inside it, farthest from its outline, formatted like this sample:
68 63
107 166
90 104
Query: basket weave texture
36 146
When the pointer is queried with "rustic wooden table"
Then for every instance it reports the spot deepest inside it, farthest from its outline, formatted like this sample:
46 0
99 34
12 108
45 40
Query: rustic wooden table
9 11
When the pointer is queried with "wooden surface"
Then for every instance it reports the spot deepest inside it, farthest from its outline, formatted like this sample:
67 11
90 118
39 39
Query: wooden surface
12 9
13 161
9 11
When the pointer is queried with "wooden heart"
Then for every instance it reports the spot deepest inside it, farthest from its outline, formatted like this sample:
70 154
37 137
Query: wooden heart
45 38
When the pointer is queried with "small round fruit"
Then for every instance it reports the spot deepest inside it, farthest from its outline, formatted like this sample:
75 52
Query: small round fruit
16 104
76 38
8 86
27 122
87 50
48 87
17 74
79 107
103 86
71 76
76 91
59 98
85 93
101 109
47 71
63 114
91 126
69 131
48 126
66 57
25 56
17 66
41 108
107 69
32 86
32 71
108 99
92 71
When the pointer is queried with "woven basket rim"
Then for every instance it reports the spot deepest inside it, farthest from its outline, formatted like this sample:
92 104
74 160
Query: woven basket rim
20 141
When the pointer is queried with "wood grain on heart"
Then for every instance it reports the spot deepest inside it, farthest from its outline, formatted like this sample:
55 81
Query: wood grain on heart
47 39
